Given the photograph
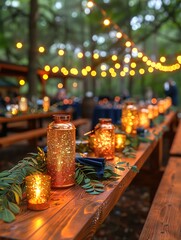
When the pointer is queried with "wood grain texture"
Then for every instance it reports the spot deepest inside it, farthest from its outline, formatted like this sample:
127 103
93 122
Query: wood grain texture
164 221
74 214
176 145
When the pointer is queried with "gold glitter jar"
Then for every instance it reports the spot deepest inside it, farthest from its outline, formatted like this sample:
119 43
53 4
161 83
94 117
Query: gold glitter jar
61 151
104 139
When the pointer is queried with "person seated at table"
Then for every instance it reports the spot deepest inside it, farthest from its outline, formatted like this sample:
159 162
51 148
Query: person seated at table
60 96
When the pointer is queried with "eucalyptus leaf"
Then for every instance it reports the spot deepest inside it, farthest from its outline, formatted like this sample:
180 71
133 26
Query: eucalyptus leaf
7 215
13 207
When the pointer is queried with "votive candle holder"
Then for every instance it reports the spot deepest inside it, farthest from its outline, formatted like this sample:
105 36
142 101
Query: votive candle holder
38 188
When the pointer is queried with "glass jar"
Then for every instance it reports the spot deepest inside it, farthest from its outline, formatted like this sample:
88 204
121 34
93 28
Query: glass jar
61 151
130 118
105 139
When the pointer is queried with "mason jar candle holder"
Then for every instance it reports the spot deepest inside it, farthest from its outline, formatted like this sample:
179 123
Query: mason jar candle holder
120 141
161 107
144 121
38 188
130 119
104 139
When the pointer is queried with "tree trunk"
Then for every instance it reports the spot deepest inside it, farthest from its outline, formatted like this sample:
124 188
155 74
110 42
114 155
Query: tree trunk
32 54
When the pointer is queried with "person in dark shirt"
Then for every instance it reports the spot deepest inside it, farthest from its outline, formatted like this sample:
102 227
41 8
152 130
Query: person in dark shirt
171 91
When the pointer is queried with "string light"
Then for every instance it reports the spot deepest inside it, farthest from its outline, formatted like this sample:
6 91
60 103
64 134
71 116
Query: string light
45 76
60 85
119 35
114 58
19 45
96 56
93 73
61 52
163 59
103 74
41 49
80 55
141 71
90 4
47 68
106 22
21 82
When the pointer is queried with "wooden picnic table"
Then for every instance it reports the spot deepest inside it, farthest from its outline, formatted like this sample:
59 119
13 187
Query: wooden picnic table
74 214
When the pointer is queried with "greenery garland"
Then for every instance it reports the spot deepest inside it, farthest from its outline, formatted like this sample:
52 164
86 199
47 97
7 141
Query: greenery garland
12 182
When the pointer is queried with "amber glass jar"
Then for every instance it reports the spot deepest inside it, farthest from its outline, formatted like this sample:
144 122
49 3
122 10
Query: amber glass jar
130 118
105 139
61 151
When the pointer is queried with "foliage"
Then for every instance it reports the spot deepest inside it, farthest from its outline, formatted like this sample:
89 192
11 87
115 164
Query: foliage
12 182
87 178
12 185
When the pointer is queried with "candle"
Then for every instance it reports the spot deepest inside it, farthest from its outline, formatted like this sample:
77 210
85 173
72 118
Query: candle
46 104
150 112
120 141
14 109
38 191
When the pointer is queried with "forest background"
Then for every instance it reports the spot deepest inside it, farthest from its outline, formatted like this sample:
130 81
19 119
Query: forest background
73 46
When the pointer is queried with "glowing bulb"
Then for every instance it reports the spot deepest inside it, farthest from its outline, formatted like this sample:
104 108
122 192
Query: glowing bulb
93 73
106 22
126 69
132 73
128 44
90 4
45 76
80 55
103 74
162 59
95 55
103 67
140 55
47 68
61 52
21 82
74 84
84 72
150 69
119 34
88 68
133 64
19 45
117 65
114 57
60 85
122 74
145 58
74 71
179 59
55 69
141 71
41 49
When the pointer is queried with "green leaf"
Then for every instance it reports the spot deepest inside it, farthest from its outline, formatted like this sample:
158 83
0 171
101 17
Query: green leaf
99 190
120 168
90 190
16 196
14 207
86 180
4 173
7 215
86 186
134 169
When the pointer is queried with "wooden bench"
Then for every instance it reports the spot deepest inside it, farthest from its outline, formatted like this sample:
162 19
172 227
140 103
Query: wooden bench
164 221
34 133
176 145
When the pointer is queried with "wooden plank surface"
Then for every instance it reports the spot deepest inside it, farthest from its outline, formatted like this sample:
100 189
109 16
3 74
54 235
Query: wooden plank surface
74 214
176 145
164 221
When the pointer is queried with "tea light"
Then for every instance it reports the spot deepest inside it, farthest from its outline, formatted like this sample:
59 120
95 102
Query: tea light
120 141
38 191
23 104
46 104
144 121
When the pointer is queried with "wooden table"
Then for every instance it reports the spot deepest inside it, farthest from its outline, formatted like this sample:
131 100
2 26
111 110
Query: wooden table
176 145
74 214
